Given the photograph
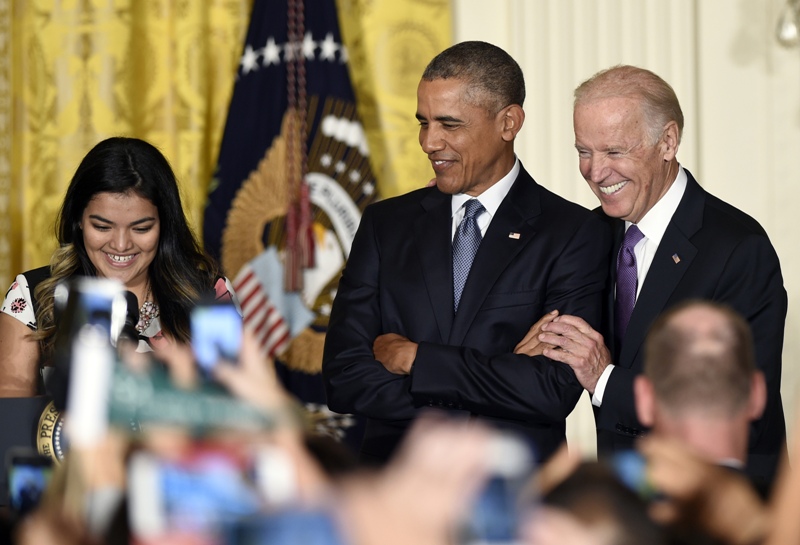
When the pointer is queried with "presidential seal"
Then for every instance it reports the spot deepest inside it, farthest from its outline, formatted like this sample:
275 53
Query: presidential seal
50 438
341 185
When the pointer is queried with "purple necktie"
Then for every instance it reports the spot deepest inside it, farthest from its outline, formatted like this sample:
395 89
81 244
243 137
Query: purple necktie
626 280
465 246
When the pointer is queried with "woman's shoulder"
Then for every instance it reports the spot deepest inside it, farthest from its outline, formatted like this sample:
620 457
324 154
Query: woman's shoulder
223 289
20 302
35 276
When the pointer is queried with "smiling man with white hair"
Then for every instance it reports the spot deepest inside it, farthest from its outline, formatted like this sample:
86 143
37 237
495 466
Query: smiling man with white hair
673 241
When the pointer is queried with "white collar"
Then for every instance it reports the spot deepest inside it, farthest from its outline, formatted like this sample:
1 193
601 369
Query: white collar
492 197
655 221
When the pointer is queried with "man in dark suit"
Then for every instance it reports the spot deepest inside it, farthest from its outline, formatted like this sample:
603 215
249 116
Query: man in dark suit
700 384
404 334
673 241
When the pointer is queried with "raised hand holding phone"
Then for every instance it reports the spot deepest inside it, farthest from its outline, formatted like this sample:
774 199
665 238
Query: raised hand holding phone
216 334
254 378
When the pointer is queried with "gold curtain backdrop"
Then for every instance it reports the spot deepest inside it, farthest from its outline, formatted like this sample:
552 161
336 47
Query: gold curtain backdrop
76 72
73 72
390 43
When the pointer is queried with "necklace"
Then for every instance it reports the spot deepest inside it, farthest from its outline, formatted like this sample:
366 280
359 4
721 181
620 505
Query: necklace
147 313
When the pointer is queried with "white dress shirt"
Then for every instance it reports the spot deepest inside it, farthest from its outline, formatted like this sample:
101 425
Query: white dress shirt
490 199
652 225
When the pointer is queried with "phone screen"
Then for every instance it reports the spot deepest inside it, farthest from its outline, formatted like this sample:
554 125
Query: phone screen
505 497
28 476
631 468
284 527
193 495
216 334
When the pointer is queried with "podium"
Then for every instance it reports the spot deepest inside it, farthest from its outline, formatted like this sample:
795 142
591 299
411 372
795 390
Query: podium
19 421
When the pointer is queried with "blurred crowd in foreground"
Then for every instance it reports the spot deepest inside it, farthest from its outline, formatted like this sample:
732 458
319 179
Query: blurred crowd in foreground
274 481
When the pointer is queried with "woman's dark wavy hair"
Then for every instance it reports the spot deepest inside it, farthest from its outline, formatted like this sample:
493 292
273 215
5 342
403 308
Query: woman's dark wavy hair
181 271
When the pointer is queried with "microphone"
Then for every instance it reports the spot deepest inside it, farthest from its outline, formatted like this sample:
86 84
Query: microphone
129 331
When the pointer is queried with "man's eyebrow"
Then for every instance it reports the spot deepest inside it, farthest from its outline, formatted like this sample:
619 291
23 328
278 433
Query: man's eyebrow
448 119
441 119
621 148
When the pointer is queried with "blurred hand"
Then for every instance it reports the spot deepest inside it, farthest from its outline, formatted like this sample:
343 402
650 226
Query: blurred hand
560 466
253 378
49 527
716 499
67 512
530 345
180 362
103 465
786 494
422 495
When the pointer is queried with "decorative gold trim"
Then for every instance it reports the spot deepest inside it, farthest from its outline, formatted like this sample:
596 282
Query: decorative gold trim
50 434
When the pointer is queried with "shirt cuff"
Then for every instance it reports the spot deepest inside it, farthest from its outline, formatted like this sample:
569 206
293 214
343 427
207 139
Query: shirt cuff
600 388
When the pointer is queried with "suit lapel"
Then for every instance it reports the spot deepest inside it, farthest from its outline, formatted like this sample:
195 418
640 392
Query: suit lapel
665 272
432 233
515 215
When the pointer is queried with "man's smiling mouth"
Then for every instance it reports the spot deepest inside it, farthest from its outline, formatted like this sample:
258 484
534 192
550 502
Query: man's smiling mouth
613 188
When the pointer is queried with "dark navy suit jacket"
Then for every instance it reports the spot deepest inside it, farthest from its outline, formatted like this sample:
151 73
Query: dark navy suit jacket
723 255
539 253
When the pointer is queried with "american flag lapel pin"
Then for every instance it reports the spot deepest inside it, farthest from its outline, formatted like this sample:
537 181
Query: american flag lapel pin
676 258
515 236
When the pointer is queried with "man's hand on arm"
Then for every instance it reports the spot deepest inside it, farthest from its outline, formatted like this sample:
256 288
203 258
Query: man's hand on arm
395 352
575 343
530 345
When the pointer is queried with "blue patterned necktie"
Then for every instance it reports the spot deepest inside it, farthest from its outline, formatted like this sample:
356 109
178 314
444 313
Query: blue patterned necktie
627 281
465 246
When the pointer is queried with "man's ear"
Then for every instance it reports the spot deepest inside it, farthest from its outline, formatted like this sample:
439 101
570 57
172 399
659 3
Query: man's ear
758 396
645 401
512 118
669 141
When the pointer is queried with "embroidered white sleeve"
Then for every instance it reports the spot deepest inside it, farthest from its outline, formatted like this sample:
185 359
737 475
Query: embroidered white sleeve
18 302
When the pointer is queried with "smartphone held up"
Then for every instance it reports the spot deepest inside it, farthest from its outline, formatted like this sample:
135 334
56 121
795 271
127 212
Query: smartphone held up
28 474
216 334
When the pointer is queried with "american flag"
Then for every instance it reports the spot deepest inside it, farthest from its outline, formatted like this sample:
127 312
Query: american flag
274 315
